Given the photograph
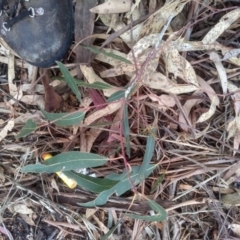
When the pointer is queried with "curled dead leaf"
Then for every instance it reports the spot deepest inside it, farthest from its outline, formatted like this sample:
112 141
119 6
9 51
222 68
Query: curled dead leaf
6 129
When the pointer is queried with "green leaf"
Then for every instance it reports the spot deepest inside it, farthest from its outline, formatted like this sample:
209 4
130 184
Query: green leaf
160 216
126 129
92 184
156 184
118 177
70 80
121 187
125 93
147 156
111 231
116 96
112 55
64 119
29 127
67 161
95 85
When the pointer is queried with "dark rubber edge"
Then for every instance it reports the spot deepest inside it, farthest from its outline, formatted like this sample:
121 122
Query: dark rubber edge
61 53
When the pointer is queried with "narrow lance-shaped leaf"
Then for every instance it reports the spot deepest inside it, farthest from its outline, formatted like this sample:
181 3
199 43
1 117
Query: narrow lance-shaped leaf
121 187
64 119
111 231
70 80
66 162
147 157
29 127
92 184
157 183
95 50
95 85
160 215
125 93
116 96
126 129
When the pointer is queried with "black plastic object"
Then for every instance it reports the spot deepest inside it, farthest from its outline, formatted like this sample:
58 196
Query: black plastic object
39 31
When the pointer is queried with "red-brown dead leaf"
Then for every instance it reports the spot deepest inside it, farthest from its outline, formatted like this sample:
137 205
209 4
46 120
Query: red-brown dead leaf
53 102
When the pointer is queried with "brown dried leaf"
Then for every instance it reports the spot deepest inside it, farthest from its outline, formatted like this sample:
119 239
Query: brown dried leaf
164 101
230 54
53 102
92 77
188 105
28 219
113 21
118 70
205 116
6 129
135 6
142 45
182 45
34 100
158 19
54 185
236 142
159 81
235 60
38 88
235 97
11 75
206 87
221 70
179 66
102 226
213 97
88 138
107 59
235 228
231 128
36 117
90 212
141 51
109 109
17 96
231 199
22 208
2 176
112 6
151 67
225 22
